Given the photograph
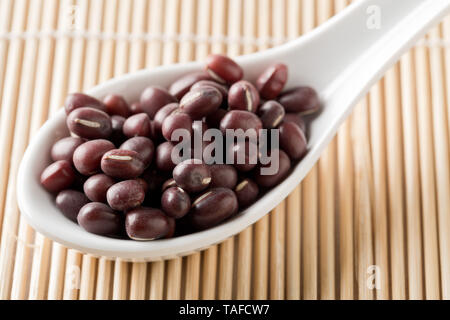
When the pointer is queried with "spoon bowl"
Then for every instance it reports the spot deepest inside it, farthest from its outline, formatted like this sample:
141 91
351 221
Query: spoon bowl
341 60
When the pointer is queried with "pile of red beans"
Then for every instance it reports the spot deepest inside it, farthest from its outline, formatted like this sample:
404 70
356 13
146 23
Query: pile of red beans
115 176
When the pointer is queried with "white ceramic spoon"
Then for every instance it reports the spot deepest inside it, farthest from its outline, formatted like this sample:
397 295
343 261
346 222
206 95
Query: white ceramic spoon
341 59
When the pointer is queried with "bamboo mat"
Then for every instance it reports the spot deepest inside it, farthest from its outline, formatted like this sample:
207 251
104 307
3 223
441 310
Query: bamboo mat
377 202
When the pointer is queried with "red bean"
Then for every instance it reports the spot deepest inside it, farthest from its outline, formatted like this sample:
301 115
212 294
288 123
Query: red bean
98 218
297 119
271 82
176 120
122 164
244 155
70 202
271 114
213 207
246 192
181 86
223 89
87 157
116 105
137 125
143 146
154 98
89 123
96 187
58 176
292 140
223 175
271 180
243 96
63 149
239 119
175 202
147 224
125 195
201 102
81 100
222 69
192 175
163 157
303 100
162 114
153 193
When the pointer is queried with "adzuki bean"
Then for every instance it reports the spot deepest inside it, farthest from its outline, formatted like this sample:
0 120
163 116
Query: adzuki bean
181 86
116 105
163 157
222 69
126 195
246 192
63 149
271 82
100 219
239 119
270 180
212 207
192 175
223 175
177 120
89 123
201 102
303 100
96 187
244 155
143 146
271 114
122 164
70 202
154 98
137 125
147 224
243 96
175 202
81 100
223 89
58 176
292 140
87 157
162 114
120 155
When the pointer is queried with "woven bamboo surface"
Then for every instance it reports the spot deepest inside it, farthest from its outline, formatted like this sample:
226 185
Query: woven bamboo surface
377 201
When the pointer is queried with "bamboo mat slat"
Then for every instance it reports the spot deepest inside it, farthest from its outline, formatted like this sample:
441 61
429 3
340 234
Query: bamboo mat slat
370 221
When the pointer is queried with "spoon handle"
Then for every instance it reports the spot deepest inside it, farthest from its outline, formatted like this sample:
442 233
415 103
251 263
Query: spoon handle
353 53
358 44
392 27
